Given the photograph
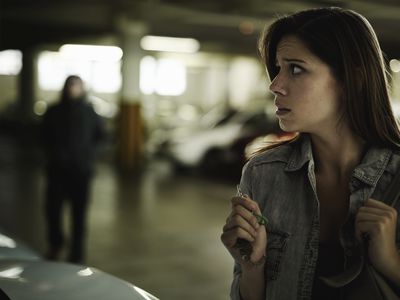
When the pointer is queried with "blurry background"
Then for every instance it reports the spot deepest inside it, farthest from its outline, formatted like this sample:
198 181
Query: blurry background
184 96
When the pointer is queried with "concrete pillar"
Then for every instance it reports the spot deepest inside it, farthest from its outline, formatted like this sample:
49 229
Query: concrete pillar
26 85
131 127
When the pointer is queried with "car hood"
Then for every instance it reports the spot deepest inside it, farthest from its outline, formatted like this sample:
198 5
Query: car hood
44 280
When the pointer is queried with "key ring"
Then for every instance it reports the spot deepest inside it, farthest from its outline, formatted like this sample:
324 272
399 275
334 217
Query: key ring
261 219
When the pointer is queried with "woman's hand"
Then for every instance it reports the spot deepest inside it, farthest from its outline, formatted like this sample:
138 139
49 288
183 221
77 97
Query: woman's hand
242 224
379 221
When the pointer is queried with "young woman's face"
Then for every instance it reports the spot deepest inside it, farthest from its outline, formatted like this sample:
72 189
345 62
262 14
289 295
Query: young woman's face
307 96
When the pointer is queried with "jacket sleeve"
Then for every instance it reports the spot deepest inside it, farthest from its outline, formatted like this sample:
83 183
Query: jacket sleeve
235 287
245 188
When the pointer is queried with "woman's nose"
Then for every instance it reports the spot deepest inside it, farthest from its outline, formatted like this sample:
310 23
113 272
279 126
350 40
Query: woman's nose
277 85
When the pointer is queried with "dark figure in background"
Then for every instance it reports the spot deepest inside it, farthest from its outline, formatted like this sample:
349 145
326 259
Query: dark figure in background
71 132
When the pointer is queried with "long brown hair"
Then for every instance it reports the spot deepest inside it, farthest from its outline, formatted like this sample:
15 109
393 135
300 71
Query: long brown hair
347 43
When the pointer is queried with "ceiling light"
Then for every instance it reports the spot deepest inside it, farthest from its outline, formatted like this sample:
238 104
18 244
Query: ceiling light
10 62
246 27
91 52
395 65
169 44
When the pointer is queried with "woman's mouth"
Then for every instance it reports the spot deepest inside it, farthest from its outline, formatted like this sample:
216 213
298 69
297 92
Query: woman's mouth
282 111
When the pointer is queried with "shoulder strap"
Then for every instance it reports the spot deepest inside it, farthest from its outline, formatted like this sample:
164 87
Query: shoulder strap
392 193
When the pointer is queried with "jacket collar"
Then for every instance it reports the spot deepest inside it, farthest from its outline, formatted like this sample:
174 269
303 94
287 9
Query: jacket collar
373 165
368 171
301 154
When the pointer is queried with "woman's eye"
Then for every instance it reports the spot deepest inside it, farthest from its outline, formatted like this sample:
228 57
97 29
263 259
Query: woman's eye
295 70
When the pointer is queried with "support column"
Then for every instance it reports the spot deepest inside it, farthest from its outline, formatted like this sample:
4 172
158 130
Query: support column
131 127
26 85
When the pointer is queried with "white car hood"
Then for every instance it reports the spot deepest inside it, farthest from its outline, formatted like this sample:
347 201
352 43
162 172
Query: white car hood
43 280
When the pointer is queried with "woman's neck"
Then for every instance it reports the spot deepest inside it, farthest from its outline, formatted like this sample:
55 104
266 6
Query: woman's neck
337 153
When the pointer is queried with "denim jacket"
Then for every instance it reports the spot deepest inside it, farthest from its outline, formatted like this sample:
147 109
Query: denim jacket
282 182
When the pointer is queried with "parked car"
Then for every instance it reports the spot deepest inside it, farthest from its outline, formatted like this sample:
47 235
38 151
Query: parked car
159 139
221 147
24 275
44 280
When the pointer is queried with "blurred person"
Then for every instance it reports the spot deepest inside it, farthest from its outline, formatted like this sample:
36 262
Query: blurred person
322 190
71 130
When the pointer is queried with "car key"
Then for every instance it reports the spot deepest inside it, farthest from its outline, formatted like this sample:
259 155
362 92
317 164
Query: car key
243 245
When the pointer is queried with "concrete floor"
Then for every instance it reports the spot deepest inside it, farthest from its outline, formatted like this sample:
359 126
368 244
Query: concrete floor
156 230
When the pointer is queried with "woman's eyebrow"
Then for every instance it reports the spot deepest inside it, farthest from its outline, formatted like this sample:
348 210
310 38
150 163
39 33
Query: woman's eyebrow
291 60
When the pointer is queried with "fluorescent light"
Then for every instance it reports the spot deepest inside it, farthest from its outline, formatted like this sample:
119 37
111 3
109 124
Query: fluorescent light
395 65
106 76
53 69
169 44
166 77
103 76
91 52
148 73
171 77
10 62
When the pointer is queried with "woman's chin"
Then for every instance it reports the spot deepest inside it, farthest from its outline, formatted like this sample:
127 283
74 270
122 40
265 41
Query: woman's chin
286 127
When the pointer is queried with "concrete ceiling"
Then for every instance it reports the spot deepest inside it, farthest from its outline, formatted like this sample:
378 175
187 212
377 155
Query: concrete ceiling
26 23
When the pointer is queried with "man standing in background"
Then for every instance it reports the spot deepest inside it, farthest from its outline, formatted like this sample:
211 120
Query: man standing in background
71 130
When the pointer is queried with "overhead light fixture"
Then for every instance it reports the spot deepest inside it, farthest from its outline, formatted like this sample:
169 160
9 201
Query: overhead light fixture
166 77
91 52
169 44
246 27
10 62
395 65
100 74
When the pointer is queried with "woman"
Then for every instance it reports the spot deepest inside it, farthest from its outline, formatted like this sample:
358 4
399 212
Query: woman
320 191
